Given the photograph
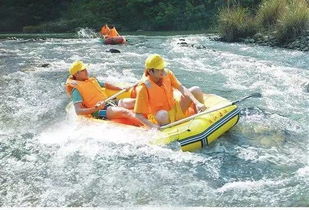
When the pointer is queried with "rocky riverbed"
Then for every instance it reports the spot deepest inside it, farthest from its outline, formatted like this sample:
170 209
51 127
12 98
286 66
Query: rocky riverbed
300 43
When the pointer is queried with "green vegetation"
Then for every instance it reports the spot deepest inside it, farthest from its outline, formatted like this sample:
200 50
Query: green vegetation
270 11
15 14
127 15
294 22
285 19
235 23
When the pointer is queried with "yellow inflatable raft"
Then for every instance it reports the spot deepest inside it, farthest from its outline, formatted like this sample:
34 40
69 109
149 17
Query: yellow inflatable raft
204 129
200 131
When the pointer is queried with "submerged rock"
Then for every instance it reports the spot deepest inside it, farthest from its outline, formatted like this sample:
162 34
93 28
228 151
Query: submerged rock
45 65
113 51
185 44
264 135
248 111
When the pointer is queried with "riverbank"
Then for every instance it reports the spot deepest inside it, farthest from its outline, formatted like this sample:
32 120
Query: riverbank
300 43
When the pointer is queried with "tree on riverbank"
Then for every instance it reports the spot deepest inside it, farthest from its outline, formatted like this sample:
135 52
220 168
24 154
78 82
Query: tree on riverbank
16 14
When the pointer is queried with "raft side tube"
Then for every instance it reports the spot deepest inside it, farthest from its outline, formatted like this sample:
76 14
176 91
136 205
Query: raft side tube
211 133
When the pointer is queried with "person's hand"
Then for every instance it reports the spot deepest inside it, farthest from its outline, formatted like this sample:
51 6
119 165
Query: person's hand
155 126
200 107
100 105
126 89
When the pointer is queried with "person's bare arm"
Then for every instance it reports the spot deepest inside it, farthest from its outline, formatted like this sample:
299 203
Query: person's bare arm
146 121
186 92
80 109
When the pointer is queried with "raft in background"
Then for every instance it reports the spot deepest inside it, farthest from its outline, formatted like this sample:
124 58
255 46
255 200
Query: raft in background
197 133
115 40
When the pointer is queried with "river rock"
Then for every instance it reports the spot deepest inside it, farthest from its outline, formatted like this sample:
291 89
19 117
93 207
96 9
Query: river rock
249 41
300 43
257 36
113 50
182 43
45 65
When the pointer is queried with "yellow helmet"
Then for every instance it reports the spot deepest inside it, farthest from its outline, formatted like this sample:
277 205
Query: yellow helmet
76 67
155 61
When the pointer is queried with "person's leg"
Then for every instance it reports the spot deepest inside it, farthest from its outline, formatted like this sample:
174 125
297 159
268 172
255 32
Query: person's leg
127 103
197 93
120 112
185 101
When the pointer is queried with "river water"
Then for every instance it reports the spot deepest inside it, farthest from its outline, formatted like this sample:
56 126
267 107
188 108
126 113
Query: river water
49 158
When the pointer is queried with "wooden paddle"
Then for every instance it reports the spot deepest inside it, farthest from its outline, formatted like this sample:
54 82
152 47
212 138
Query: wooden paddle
254 95
119 93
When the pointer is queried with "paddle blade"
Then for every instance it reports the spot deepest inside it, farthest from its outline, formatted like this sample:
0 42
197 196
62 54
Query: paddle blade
256 95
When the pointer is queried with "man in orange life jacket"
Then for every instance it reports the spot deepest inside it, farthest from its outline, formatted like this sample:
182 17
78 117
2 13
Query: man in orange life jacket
156 102
109 31
112 32
104 30
88 96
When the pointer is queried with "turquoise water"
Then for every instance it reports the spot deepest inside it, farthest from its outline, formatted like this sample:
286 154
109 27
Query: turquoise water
49 158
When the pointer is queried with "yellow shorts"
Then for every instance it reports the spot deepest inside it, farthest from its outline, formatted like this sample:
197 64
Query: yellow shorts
176 112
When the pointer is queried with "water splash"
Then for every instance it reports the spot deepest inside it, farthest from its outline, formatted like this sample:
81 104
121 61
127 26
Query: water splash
87 33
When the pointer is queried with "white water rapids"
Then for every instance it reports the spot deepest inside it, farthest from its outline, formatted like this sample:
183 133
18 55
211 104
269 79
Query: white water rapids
48 158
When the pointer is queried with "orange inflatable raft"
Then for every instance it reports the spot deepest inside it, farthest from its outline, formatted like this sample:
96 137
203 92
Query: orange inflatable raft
115 40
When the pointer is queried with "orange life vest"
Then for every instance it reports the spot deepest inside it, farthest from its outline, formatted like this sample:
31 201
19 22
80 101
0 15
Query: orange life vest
112 33
90 90
160 97
105 30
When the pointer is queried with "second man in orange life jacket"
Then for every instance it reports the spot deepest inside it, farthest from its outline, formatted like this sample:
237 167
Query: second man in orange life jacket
155 101
105 30
88 96
112 32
